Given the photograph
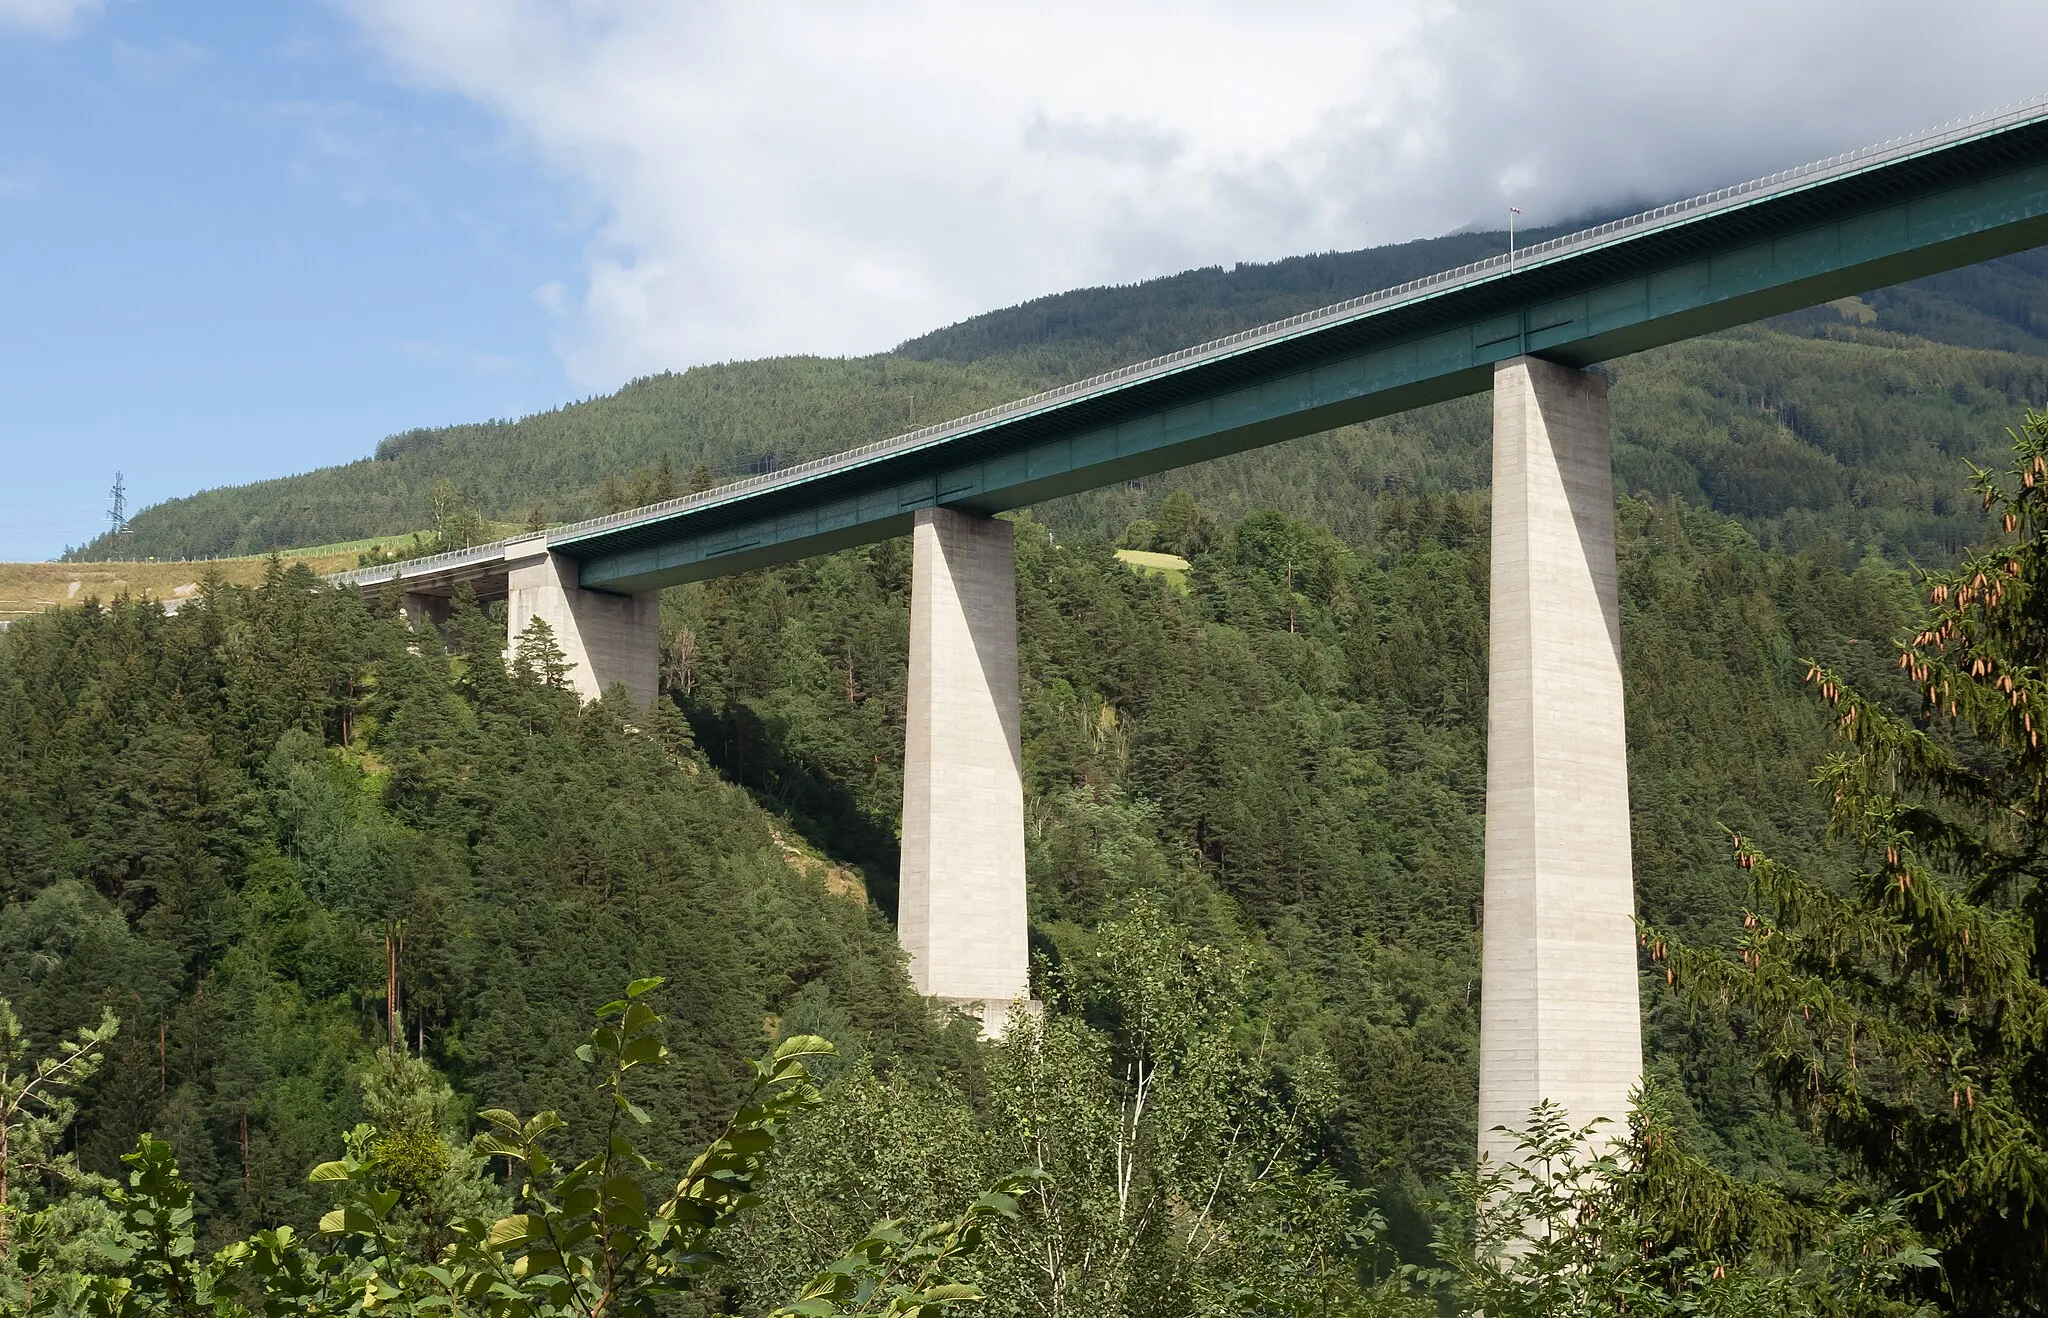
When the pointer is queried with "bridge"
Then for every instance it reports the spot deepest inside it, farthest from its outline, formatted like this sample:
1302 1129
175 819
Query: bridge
1560 1017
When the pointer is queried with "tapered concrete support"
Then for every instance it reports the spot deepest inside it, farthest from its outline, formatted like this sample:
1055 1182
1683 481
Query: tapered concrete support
1561 1017
960 912
419 610
610 639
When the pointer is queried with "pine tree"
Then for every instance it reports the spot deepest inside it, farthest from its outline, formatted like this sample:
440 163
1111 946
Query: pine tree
541 655
1906 1014
37 1107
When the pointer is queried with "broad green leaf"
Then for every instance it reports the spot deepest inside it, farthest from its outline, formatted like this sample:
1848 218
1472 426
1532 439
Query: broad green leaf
642 1050
517 1229
347 1219
947 1294
497 1145
803 1045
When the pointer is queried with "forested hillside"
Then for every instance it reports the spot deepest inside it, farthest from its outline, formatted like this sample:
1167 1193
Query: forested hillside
212 821
243 827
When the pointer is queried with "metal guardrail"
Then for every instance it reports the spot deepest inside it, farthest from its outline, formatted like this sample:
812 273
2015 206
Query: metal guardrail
378 573
1688 210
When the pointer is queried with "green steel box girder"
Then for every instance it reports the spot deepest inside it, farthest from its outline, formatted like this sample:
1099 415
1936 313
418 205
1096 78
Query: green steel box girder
1953 204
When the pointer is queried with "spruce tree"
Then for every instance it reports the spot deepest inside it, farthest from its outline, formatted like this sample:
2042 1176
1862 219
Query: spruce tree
541 656
1904 1013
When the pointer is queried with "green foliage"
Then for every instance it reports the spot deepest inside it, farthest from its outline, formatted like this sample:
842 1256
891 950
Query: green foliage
39 1249
209 822
581 1242
452 519
585 1239
38 1103
539 656
1902 1010
1160 1130
894 1274
414 1141
1180 527
582 459
1560 1229
1173 1148
1315 792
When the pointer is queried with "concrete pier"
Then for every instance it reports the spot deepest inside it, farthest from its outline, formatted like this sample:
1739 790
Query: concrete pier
1561 1017
610 639
961 909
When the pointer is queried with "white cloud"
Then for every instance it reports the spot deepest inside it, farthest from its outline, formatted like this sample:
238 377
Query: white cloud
778 176
51 17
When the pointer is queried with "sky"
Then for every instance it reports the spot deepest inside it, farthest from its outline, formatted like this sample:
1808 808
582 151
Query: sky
243 239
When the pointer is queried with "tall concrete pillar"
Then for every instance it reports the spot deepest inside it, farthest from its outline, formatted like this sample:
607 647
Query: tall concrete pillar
1561 1017
960 912
610 639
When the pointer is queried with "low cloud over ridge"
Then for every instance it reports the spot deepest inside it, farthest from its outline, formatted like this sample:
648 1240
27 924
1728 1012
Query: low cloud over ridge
780 177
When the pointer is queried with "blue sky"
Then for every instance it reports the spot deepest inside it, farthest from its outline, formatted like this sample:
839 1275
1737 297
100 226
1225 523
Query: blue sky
241 239
229 248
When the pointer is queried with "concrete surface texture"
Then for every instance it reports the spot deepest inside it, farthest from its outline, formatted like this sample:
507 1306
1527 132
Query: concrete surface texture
1560 1019
961 910
610 639
420 609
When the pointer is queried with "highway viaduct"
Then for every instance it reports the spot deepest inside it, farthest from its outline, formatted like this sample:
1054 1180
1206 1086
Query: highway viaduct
1560 1016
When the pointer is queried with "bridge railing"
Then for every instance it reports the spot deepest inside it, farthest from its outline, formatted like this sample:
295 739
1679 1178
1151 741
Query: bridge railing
1550 249
411 567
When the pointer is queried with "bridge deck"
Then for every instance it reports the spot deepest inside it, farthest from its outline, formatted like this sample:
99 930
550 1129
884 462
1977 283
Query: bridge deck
1914 206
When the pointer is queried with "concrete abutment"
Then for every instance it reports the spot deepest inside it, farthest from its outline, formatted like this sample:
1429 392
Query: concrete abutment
607 639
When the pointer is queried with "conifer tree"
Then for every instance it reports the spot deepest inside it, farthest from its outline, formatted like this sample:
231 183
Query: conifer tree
613 496
1905 1014
541 655
37 1107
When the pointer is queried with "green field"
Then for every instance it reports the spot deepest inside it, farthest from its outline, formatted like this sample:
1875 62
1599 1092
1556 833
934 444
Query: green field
1148 564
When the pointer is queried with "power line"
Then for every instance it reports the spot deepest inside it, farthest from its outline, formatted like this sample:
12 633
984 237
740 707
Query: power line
118 513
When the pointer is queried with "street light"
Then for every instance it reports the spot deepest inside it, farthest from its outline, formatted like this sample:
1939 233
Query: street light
1513 211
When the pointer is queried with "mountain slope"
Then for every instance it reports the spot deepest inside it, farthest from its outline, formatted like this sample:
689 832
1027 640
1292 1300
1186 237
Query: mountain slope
1840 421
